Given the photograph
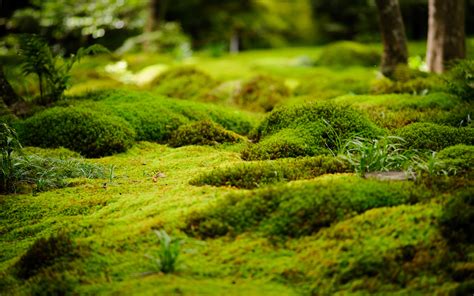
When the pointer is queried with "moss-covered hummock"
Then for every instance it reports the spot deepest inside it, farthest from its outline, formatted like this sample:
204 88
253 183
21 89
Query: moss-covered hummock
202 133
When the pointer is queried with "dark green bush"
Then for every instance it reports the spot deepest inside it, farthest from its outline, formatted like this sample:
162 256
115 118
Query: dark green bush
90 133
186 83
257 174
45 253
457 221
435 137
348 53
306 130
261 93
298 209
203 132
459 158
461 80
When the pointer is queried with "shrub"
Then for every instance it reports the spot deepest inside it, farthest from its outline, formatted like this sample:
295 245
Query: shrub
202 133
261 93
461 79
298 209
434 137
457 221
45 253
87 132
186 83
253 175
459 158
348 53
309 129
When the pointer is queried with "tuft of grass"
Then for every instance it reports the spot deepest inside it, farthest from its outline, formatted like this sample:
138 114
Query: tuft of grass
168 253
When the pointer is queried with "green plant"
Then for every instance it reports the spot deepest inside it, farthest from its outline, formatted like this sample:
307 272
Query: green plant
460 80
261 93
56 249
373 155
457 221
168 253
52 71
9 144
348 53
203 132
430 136
257 174
458 159
91 133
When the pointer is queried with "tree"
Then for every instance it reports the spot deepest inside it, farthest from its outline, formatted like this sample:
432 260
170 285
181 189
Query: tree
446 33
393 35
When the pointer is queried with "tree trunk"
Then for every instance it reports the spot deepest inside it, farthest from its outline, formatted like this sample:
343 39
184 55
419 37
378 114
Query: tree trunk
393 35
151 22
7 94
446 33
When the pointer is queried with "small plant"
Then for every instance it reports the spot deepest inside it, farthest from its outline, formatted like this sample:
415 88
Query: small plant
9 143
168 253
52 71
461 79
381 154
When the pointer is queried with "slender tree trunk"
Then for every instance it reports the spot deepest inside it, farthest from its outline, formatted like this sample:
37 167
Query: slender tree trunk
446 33
393 35
7 94
151 22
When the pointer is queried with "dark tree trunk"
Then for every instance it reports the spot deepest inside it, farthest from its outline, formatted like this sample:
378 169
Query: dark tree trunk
393 35
446 33
7 94
151 22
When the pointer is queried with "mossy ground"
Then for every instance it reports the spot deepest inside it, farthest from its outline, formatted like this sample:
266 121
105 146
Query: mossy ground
386 250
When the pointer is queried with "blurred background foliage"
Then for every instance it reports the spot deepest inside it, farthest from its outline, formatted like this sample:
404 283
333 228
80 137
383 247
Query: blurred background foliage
209 24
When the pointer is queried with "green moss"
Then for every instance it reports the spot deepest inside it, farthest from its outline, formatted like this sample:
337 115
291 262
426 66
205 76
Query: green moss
457 220
202 133
434 137
186 83
459 158
310 129
257 174
460 80
298 209
88 132
261 93
348 53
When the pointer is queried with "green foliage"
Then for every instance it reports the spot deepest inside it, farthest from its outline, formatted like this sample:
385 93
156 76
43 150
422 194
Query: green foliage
261 93
347 53
457 220
185 82
168 253
52 283
306 130
88 132
418 85
383 154
45 253
52 71
460 80
298 209
202 133
9 144
458 158
434 137
257 174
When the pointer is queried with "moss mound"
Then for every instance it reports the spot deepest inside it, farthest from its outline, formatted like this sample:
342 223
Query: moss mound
257 174
186 83
459 158
261 93
435 137
298 209
90 133
203 132
306 130
346 53
457 220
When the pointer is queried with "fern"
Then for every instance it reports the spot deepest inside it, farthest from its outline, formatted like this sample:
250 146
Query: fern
52 71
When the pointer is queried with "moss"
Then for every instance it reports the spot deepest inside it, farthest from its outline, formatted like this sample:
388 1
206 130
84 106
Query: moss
459 158
460 80
435 137
45 253
186 83
261 93
348 53
257 174
457 221
202 133
298 209
88 132
309 129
